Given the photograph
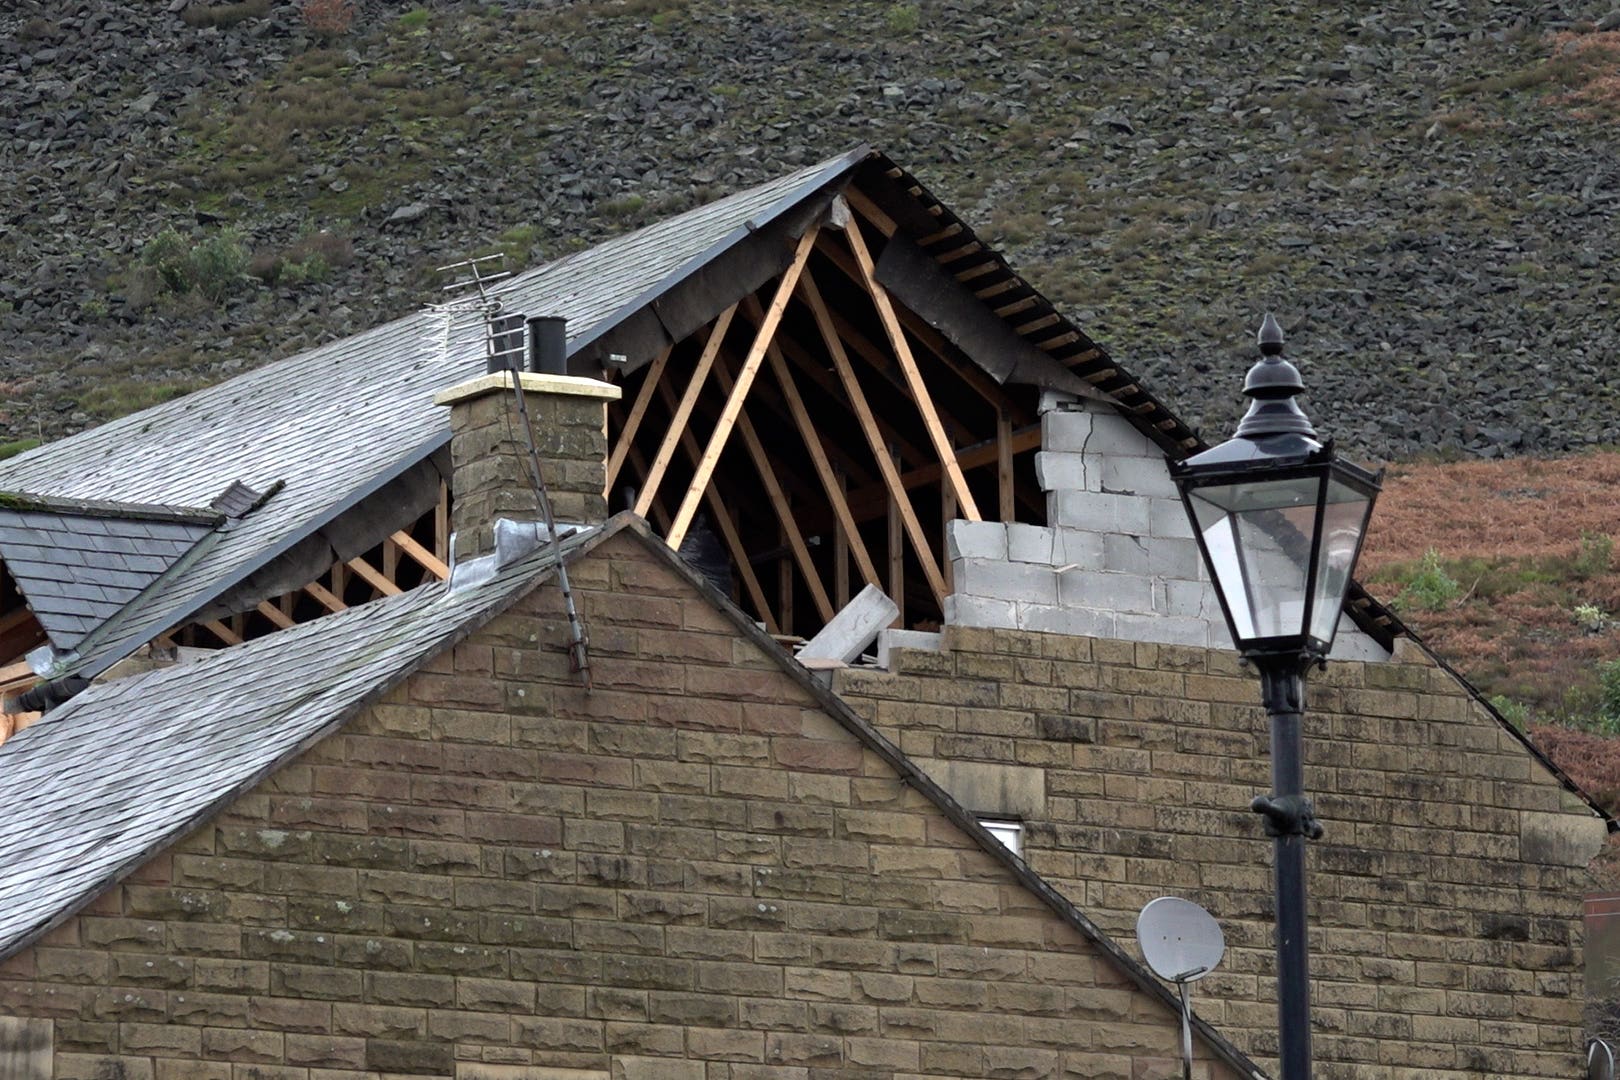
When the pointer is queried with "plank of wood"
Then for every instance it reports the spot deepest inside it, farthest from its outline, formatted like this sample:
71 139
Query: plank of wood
880 450
275 615
683 414
632 423
221 631
327 598
441 523
1004 467
17 670
841 549
958 253
908 364
899 522
739 391
424 558
991 291
17 616
931 339
1041 323
863 204
847 530
792 535
728 532
639 460
373 577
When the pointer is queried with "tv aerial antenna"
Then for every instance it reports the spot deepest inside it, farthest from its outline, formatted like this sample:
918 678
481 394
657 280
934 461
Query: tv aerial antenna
1181 943
505 343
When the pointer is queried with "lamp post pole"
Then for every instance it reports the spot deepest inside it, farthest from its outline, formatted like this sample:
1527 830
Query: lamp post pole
1290 820
1279 521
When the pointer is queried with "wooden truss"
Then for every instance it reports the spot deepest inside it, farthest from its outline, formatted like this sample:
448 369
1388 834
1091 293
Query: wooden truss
826 431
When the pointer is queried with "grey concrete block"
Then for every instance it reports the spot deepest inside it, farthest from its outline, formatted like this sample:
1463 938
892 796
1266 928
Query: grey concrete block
1111 433
1067 431
980 611
1085 622
1106 592
890 639
1127 555
1031 543
1163 629
1351 644
1077 547
1137 476
1195 599
975 540
1098 512
1028 582
1167 517
1056 470
1058 401
1173 558
855 626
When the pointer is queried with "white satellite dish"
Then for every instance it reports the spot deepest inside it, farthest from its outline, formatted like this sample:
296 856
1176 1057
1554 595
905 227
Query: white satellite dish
1181 943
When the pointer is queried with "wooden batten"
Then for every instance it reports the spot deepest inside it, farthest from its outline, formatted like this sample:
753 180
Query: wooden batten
683 415
638 411
739 391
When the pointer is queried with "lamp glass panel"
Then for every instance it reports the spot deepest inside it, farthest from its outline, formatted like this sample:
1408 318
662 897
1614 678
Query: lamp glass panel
1258 534
1344 520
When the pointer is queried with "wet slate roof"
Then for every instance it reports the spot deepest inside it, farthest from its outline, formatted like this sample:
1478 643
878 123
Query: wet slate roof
338 421
127 767
79 563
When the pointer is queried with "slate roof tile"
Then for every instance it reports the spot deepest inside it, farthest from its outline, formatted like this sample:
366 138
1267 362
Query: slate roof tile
333 421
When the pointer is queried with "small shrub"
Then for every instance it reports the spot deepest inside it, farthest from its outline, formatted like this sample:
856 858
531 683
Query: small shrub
169 253
414 19
312 258
1595 556
218 265
1609 697
1590 618
1514 712
903 18
328 18
1431 589
624 207
213 267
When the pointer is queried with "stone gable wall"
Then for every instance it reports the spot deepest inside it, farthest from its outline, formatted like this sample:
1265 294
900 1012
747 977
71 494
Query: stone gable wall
693 873
1445 898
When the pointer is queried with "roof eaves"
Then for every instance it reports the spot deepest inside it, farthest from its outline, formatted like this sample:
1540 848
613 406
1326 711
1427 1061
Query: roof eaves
104 508
875 741
834 170
96 657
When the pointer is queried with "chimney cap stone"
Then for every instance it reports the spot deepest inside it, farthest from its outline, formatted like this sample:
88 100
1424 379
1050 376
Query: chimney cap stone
533 383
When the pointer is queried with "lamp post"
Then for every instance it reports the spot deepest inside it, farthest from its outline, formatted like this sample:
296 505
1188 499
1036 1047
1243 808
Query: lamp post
1279 522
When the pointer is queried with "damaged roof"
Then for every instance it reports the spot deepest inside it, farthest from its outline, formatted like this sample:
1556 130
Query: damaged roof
129 767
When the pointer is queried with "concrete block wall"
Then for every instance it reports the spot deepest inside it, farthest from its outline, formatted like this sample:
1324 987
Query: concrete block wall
1117 558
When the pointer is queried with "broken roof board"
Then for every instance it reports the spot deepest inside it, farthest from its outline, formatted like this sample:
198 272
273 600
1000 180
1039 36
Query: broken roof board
78 569
334 421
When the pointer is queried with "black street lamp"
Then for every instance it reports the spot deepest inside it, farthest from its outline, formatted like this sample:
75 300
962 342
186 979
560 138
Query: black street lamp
1279 523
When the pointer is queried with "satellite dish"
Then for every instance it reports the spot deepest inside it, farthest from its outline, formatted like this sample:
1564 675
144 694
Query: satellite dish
1180 940
1181 943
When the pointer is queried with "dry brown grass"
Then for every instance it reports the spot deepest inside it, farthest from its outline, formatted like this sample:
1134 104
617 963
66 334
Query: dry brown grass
1527 541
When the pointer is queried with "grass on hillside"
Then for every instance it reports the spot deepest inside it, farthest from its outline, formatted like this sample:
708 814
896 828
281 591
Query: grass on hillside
1508 569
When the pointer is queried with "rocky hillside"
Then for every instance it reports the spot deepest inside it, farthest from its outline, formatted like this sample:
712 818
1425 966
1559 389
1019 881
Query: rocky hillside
1424 190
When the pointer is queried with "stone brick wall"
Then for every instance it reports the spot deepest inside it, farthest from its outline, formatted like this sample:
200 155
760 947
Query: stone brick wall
693 873
1117 558
1445 897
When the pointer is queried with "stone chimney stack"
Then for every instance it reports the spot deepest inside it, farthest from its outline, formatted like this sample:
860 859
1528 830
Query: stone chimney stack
489 455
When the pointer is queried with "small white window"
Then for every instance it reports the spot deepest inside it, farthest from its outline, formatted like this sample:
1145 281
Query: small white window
1010 833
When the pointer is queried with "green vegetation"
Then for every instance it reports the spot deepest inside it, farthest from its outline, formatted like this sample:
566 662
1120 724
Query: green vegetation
311 259
1514 712
903 18
215 267
16 446
1430 587
414 19
222 15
